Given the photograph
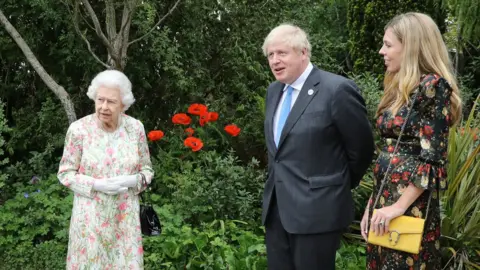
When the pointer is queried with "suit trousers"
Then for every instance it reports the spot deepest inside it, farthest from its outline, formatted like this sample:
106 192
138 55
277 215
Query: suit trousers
287 251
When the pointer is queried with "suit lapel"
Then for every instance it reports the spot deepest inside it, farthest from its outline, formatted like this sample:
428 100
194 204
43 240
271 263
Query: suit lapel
277 95
309 90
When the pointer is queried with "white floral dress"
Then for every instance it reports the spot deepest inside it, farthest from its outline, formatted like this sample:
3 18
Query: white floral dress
104 230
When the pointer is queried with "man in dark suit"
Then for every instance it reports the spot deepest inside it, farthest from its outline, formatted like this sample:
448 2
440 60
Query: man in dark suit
320 144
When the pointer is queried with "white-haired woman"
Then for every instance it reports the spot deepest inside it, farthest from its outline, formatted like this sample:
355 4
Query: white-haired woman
106 163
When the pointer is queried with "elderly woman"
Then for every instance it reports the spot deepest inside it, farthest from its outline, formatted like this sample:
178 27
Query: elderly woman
106 163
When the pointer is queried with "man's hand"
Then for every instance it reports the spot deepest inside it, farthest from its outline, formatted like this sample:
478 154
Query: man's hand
108 187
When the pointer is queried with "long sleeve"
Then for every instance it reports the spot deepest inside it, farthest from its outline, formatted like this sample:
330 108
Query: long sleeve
433 127
68 172
350 116
145 164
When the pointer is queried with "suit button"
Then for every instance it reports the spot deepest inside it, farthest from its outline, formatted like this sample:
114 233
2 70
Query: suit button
277 161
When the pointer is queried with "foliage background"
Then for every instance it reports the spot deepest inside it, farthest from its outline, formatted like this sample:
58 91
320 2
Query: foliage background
204 52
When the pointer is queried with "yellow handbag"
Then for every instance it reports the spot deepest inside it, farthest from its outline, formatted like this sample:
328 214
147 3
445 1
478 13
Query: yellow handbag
405 232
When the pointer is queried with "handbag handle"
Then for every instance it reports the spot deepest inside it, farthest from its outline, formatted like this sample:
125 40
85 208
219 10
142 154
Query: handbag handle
147 198
388 171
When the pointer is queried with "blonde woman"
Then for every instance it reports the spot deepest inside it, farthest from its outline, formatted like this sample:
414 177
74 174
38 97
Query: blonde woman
418 72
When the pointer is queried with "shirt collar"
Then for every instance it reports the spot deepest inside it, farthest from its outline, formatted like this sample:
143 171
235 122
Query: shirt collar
298 84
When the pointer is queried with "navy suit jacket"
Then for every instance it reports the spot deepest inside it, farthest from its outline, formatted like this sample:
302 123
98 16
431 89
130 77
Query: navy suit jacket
325 148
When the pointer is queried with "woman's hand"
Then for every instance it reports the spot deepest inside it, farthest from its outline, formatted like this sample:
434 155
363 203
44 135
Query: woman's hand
380 221
108 187
364 224
128 181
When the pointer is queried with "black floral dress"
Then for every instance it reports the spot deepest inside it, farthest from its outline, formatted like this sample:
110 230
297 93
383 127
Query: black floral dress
421 160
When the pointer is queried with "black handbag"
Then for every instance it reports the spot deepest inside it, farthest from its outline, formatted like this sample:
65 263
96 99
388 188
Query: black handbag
149 221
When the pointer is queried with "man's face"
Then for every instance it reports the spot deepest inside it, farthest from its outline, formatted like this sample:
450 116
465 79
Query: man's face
286 63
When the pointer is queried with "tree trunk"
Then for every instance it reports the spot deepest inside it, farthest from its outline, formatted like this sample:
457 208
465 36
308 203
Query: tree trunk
47 79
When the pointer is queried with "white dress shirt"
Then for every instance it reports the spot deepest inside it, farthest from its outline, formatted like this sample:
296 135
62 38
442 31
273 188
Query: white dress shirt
297 87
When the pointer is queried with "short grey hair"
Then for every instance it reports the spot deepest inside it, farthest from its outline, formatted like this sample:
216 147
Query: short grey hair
288 34
113 79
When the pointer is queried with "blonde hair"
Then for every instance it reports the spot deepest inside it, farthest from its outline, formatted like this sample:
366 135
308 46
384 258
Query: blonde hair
290 35
424 52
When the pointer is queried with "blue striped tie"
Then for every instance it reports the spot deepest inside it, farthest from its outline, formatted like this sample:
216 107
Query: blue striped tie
284 111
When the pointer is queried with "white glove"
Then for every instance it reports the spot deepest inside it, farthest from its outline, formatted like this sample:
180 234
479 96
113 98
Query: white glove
108 187
124 180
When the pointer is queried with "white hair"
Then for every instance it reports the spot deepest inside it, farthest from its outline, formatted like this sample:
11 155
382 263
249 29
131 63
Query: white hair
290 35
113 79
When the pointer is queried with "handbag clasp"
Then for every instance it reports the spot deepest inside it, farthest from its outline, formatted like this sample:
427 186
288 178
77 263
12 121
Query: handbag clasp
394 237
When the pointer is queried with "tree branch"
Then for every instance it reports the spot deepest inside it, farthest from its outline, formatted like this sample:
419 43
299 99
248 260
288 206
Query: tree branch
76 13
86 21
70 5
47 79
157 24
127 15
98 28
110 21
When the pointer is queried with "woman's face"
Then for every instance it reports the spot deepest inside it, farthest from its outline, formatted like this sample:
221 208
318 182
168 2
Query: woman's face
392 51
108 106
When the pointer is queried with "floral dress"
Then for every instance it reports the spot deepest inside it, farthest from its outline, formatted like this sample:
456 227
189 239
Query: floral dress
104 230
421 160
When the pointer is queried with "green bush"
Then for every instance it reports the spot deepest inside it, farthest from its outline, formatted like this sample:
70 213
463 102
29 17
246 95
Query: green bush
351 257
461 201
217 245
212 186
3 161
34 227
372 91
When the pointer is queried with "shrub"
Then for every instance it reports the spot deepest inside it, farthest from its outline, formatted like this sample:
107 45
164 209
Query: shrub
3 161
217 245
213 186
34 227
461 202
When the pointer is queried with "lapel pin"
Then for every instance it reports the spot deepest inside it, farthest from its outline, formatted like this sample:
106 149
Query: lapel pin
310 92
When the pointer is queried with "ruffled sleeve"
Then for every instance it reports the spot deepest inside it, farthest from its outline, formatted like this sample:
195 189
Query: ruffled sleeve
433 108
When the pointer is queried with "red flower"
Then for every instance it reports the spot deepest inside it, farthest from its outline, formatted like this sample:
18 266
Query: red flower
379 120
189 131
420 170
441 173
430 236
212 116
396 177
155 135
204 118
395 160
233 130
377 167
427 130
181 119
194 143
386 193
389 124
390 148
405 176
398 121
197 109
